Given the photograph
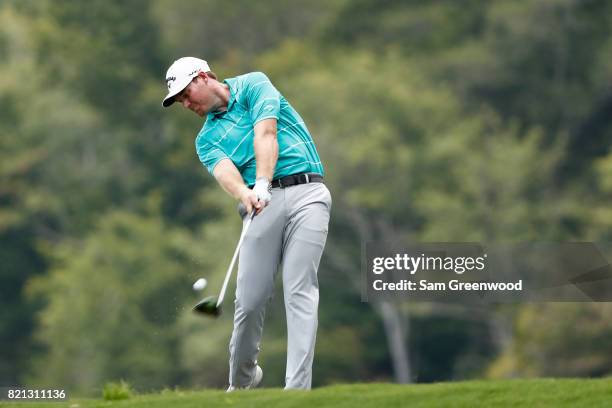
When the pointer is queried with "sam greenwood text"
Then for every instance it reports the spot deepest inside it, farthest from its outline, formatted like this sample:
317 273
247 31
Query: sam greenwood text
454 285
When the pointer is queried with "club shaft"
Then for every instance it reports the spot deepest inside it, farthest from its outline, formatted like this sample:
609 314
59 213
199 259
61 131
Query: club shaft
231 266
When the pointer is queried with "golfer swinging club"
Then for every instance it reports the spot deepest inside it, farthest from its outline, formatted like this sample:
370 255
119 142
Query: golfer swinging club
259 150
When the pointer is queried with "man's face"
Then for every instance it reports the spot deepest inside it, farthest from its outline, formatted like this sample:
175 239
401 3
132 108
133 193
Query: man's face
196 96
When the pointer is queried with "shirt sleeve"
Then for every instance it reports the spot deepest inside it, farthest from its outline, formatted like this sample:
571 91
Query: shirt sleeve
262 98
209 154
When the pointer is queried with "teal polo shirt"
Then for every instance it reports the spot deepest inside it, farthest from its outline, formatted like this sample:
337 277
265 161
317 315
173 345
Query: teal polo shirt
230 134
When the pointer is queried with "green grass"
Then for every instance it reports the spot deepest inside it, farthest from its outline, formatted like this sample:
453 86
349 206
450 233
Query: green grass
511 393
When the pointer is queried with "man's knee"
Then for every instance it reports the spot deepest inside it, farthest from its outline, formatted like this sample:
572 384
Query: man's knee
250 304
305 302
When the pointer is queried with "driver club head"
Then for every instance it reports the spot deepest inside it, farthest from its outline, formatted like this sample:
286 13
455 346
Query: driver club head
208 306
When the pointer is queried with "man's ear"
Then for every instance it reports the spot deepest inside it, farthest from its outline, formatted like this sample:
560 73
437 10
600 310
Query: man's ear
203 75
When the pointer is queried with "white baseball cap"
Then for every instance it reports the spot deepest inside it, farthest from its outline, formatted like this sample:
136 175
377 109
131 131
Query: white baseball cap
180 74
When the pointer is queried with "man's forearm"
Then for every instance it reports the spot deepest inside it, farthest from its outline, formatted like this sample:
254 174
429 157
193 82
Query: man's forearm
265 145
229 178
231 181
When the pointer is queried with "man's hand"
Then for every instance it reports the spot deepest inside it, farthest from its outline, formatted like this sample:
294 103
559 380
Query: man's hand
262 190
252 198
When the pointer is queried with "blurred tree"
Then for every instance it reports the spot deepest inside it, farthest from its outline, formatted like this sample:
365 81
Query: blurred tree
539 63
240 29
106 51
17 259
559 340
416 26
567 339
113 300
67 156
39 149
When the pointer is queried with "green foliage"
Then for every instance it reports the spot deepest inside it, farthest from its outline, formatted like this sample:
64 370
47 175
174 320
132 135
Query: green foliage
121 34
239 30
559 340
16 314
67 155
115 391
112 303
415 25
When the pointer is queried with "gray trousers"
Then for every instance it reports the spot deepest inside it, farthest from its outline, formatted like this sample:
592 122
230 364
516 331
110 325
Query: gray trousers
291 230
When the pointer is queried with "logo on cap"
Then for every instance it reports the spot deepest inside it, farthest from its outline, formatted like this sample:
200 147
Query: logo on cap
169 80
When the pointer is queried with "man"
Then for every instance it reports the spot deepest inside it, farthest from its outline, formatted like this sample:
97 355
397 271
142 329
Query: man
259 150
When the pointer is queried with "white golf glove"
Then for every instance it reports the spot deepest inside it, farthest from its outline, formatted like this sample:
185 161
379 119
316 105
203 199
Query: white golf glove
263 190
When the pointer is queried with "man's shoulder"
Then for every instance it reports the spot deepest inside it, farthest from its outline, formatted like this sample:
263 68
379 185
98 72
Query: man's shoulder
248 86
248 79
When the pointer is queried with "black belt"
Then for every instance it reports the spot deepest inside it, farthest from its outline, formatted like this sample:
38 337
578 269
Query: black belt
295 179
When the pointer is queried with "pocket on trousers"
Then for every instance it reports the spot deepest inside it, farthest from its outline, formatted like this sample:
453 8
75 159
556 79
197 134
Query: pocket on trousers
313 235
327 196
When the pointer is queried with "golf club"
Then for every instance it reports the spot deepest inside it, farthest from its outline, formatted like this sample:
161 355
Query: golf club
211 305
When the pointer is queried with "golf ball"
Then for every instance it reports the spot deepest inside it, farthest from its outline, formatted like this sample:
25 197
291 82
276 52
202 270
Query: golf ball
199 284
